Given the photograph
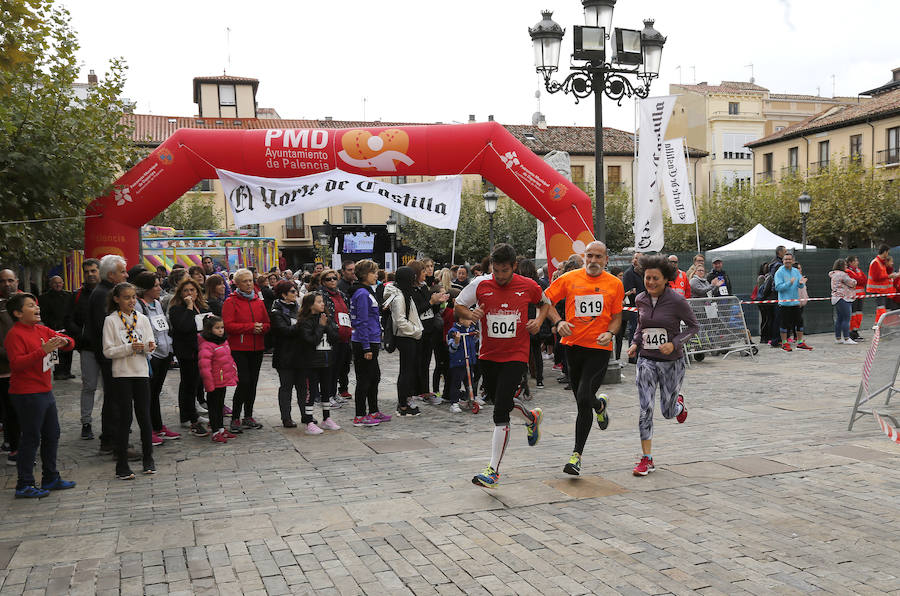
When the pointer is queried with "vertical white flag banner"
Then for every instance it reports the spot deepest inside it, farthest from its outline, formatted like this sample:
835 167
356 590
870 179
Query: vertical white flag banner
675 183
648 226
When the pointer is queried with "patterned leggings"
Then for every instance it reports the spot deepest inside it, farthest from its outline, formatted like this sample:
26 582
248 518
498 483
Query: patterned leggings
668 375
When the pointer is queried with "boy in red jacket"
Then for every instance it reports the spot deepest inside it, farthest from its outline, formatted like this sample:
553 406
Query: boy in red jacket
32 351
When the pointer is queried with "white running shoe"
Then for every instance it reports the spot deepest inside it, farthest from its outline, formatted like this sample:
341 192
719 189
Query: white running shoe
838 340
436 399
312 429
335 403
455 408
849 341
330 424
479 401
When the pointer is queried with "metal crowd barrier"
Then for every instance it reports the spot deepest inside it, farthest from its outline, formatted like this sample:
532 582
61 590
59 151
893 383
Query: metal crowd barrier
723 329
879 374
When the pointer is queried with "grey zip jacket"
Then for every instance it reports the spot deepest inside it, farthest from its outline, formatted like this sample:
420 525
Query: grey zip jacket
670 310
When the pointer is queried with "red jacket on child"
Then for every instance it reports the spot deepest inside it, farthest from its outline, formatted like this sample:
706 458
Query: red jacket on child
217 367
31 369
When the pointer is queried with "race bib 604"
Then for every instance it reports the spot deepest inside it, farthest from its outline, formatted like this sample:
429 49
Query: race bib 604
501 326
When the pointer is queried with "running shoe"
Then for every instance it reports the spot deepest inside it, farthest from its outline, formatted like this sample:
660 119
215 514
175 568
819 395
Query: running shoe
155 439
848 341
313 429
539 384
346 394
838 340
479 400
235 426
534 429
574 465
488 478
31 492
380 416
227 434
602 413
198 430
219 437
168 435
335 403
455 409
86 433
804 346
149 467
251 423
644 467
408 411
288 423
435 399
786 346
58 484
125 474
365 421
330 424
683 416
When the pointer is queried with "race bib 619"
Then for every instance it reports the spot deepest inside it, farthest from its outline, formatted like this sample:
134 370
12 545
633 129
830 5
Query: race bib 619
590 305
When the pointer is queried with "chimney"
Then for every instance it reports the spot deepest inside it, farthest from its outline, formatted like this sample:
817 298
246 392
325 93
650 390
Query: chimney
92 78
896 72
490 117
471 118
328 118
542 123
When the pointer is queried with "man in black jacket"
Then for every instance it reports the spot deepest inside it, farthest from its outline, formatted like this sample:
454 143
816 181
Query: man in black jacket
718 272
90 371
633 280
112 272
55 312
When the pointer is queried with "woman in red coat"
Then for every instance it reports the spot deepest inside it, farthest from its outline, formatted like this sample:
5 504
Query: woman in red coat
246 323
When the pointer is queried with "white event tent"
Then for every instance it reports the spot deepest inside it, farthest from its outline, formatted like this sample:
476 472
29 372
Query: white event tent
760 238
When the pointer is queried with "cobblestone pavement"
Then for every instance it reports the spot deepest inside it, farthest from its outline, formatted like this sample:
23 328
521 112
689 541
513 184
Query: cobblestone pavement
761 491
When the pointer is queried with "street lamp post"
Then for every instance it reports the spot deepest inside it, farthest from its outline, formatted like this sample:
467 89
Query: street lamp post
490 206
804 201
391 225
634 53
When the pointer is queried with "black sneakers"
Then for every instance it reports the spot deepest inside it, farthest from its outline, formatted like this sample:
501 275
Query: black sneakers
408 411
86 433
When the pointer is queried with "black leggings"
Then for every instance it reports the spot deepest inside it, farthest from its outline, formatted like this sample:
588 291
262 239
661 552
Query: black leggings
426 349
290 380
368 374
132 393
409 369
159 368
187 389
215 402
441 362
501 379
587 367
248 365
536 359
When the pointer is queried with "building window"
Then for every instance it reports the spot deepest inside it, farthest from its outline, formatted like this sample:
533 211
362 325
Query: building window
824 153
766 175
203 186
855 147
398 179
733 145
613 178
578 176
353 215
734 108
294 227
793 159
779 128
893 145
226 95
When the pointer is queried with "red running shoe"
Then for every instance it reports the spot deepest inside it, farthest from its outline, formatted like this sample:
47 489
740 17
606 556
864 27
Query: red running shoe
803 346
346 394
228 435
219 437
786 346
168 435
683 416
644 467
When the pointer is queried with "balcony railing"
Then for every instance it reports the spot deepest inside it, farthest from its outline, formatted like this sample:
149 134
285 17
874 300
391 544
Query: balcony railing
765 177
817 167
293 232
852 159
787 171
889 157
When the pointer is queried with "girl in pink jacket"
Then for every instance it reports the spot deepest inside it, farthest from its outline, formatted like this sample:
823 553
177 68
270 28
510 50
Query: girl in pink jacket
218 371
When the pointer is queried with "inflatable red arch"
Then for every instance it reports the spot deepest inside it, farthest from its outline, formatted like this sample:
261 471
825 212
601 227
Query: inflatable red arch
191 155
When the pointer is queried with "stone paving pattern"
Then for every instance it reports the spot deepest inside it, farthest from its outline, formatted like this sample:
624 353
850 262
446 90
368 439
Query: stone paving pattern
762 491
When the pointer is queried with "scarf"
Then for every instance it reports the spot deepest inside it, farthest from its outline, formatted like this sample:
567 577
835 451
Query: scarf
129 327
247 295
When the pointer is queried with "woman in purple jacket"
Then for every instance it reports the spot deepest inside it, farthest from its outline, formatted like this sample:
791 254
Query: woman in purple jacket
658 342
365 317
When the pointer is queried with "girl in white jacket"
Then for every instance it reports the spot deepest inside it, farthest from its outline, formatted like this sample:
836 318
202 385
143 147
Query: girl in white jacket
407 333
128 341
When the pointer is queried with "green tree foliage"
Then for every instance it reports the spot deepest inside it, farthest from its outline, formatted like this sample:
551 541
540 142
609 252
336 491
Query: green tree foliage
511 224
57 152
192 212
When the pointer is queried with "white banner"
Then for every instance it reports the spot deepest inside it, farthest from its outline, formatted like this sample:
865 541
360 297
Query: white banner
254 199
648 226
675 182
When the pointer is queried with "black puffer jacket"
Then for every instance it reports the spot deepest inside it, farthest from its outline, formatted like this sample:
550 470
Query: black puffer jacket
285 333
183 331
314 352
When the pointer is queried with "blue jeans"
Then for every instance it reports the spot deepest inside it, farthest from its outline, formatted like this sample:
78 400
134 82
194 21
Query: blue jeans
39 425
842 318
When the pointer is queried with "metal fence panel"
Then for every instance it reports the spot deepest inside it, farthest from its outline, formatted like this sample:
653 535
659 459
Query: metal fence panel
879 375
722 328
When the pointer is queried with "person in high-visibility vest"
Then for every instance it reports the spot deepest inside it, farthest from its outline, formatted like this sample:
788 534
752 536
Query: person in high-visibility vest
881 280
681 283
856 317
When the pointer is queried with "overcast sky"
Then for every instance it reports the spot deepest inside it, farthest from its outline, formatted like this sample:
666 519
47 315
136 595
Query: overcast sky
424 61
